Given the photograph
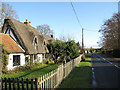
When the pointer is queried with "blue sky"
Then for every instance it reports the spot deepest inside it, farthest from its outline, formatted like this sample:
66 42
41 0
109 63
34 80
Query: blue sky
61 18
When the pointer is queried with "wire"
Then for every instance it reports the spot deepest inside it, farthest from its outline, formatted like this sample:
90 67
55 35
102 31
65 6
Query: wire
75 14
79 20
91 30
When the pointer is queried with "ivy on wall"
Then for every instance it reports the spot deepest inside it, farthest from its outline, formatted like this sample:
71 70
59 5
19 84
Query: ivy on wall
4 60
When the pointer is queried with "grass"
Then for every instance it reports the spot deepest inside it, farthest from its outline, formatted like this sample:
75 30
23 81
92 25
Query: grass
33 73
80 77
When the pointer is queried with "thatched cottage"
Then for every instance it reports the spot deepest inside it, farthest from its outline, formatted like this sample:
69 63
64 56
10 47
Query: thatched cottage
32 43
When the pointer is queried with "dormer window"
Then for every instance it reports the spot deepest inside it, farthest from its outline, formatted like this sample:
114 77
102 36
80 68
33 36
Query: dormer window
44 45
44 42
35 43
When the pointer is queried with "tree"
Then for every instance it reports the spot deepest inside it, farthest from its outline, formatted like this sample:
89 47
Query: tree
65 38
45 30
6 10
62 49
110 31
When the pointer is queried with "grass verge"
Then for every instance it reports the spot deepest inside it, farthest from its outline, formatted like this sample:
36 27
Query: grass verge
80 77
32 73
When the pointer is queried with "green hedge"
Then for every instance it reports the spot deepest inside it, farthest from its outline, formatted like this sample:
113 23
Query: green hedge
62 49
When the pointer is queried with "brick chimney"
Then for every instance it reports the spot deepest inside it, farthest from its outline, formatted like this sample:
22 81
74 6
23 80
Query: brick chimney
52 36
26 22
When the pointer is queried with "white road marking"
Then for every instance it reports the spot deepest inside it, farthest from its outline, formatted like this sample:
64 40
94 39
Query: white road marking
117 66
108 61
93 75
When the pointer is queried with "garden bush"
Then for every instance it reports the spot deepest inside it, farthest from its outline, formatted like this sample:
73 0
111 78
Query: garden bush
62 49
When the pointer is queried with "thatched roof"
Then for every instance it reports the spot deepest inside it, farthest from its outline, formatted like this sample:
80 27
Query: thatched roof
25 35
48 39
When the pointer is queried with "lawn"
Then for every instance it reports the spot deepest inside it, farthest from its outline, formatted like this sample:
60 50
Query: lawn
80 77
33 73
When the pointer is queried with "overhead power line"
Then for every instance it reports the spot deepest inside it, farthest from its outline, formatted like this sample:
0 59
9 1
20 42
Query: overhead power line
92 30
76 14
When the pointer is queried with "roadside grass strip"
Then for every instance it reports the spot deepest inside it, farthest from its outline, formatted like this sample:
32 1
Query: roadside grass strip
80 77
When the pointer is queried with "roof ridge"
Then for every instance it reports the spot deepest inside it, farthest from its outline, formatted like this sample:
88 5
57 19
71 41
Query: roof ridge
21 22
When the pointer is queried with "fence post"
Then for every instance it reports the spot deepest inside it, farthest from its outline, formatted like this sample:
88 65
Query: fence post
36 83
54 78
41 82
27 82
13 84
2 83
9 80
47 80
22 84
51 79
18 84
57 77
31 84
5 83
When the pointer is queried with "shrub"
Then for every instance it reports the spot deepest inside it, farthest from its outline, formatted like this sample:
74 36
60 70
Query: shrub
51 61
4 60
68 58
62 49
45 61
26 60
37 63
31 59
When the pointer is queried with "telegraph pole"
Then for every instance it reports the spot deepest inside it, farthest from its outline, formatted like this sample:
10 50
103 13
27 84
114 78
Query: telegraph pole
82 41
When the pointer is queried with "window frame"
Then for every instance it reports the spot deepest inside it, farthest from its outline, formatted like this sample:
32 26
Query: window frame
18 57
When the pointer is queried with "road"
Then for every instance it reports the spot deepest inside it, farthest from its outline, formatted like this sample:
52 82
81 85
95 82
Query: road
105 72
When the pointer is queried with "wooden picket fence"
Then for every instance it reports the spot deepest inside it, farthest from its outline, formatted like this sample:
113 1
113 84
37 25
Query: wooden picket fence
49 80
19 84
55 77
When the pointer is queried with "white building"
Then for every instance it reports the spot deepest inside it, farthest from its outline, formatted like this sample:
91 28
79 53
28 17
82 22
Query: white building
31 43
16 55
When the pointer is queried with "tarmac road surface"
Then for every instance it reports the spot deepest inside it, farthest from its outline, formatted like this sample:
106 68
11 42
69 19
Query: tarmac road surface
105 71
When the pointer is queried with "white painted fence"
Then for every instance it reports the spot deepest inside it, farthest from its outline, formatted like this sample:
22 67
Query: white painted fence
55 77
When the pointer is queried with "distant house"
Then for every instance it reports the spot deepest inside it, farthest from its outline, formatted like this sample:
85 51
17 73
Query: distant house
29 39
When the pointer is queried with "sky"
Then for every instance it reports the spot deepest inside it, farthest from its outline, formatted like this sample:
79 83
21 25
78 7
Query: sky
61 18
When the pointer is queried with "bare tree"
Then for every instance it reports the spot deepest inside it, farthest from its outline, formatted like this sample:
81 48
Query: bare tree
110 33
6 10
62 37
66 38
45 29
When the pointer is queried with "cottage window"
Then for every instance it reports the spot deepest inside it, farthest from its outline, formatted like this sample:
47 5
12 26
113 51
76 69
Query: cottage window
16 60
35 56
44 45
35 44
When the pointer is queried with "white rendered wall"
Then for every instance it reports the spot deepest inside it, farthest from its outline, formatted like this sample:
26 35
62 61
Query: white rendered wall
10 60
39 57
